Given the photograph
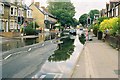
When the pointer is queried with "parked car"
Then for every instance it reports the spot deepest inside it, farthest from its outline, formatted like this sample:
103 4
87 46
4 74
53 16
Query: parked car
73 31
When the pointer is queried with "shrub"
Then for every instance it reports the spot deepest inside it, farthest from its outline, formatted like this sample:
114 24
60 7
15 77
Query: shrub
29 31
119 25
101 19
111 25
95 29
96 26
33 25
105 25
31 28
114 26
82 39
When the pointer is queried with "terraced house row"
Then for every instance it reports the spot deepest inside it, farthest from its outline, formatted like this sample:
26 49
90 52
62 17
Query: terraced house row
112 9
13 14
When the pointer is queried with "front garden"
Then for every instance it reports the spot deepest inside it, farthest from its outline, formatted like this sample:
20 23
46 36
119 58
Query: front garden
110 29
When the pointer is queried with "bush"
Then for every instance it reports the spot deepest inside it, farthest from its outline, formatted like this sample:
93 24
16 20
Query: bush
105 25
96 26
82 39
119 25
111 25
34 25
101 19
95 29
29 31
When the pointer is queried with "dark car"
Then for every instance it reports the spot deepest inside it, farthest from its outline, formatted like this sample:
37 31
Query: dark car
73 32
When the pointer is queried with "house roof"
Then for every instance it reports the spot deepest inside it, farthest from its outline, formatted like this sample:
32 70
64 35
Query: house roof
6 3
44 11
26 7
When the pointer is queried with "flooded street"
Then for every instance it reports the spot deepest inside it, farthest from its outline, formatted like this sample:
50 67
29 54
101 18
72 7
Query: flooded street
9 44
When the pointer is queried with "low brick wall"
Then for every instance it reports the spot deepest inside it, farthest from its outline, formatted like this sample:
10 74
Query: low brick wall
114 41
10 34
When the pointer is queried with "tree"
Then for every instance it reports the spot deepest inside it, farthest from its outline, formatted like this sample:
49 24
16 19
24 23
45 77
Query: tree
64 11
92 14
83 19
74 22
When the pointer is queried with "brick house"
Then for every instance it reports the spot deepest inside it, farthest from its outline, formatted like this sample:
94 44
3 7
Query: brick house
12 15
113 8
42 17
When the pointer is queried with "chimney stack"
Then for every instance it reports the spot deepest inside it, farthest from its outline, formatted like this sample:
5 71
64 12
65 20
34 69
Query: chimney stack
37 4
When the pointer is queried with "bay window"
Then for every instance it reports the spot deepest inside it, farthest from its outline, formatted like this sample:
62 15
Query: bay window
1 8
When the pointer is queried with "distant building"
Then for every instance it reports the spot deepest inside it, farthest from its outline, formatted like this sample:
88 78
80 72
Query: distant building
102 13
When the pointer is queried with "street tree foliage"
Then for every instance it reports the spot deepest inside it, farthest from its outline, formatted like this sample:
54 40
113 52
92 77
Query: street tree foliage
92 14
75 22
63 11
83 19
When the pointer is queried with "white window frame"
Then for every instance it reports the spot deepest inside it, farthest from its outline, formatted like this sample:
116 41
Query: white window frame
2 8
116 11
112 12
46 17
28 14
14 11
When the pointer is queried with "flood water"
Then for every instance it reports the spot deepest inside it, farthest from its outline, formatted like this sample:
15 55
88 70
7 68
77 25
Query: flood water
61 67
9 44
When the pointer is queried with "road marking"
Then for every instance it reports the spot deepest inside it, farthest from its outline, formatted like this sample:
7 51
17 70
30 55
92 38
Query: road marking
7 56
29 49
43 44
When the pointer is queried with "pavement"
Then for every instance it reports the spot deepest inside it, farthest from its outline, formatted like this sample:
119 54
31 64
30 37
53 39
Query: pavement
97 60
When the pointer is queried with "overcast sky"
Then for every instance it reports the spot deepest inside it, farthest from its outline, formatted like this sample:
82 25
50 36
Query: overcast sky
81 6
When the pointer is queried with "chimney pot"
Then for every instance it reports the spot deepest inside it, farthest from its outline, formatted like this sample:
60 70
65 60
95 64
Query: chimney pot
37 4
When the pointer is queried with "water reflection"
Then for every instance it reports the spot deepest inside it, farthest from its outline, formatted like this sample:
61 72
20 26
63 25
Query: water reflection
64 50
61 63
10 44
